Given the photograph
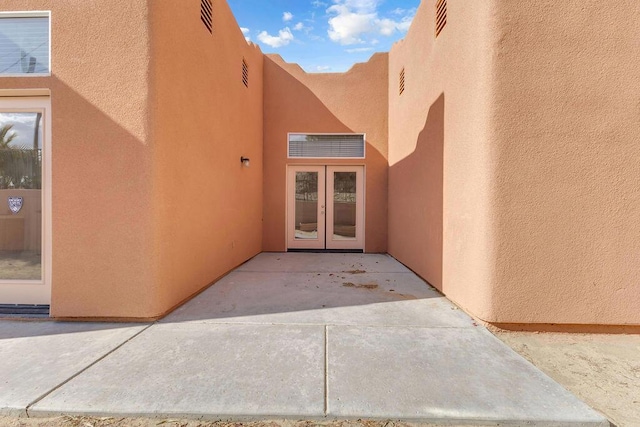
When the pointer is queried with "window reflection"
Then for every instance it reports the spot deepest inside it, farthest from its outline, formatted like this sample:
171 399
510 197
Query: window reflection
20 196
344 205
306 217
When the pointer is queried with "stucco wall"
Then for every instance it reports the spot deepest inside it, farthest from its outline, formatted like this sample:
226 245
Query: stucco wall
567 150
102 210
439 152
351 102
528 115
207 206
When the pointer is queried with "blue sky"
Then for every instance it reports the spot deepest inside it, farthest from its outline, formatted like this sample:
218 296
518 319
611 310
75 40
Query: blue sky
324 35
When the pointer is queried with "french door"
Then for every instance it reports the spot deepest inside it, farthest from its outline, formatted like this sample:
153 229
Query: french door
325 207
25 200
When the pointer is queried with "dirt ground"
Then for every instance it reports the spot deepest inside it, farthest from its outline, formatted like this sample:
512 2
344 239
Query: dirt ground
602 370
146 422
20 265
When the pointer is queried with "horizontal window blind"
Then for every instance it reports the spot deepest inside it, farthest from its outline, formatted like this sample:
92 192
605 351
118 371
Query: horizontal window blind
24 45
326 146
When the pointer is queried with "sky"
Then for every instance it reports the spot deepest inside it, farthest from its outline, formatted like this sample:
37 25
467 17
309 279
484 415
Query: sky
324 35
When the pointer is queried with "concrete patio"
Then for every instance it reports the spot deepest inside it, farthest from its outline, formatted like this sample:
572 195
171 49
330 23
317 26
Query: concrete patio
296 335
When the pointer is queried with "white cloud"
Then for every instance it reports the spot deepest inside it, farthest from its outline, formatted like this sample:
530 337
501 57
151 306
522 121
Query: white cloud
353 19
323 68
283 38
318 3
299 26
287 16
405 12
386 26
360 6
359 49
245 31
405 23
348 26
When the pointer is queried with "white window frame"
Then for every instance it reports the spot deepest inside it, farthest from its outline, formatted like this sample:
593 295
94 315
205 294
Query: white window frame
30 14
364 148
35 291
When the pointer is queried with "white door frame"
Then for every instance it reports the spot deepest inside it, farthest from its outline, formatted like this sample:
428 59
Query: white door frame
34 291
325 239
292 241
331 241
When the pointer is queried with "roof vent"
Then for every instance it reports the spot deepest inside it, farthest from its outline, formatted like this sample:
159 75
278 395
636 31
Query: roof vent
245 73
401 90
441 16
206 14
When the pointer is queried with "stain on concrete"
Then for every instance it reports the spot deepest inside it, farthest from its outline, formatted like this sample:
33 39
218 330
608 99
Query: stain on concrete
355 271
363 286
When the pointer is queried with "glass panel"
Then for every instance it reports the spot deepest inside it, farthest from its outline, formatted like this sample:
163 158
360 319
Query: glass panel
24 45
20 196
326 146
306 205
344 205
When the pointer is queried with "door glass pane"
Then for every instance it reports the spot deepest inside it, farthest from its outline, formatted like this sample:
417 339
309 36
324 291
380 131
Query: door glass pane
20 196
344 205
306 205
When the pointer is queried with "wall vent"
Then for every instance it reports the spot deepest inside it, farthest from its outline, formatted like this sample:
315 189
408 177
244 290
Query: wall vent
441 16
326 146
206 14
245 73
401 89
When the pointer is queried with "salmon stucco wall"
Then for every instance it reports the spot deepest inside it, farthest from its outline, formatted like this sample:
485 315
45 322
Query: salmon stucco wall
439 152
207 206
101 156
567 151
513 159
351 102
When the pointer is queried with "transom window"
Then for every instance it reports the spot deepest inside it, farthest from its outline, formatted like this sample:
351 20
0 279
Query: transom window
24 43
326 146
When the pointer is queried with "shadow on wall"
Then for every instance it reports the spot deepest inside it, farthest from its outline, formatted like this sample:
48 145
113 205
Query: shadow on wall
100 206
104 241
292 105
416 201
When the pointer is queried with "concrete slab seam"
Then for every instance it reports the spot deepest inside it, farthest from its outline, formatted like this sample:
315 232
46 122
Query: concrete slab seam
101 358
326 369
283 323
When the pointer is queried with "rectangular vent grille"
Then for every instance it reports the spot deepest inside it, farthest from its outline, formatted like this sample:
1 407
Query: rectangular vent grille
206 14
245 73
401 82
441 16
326 146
